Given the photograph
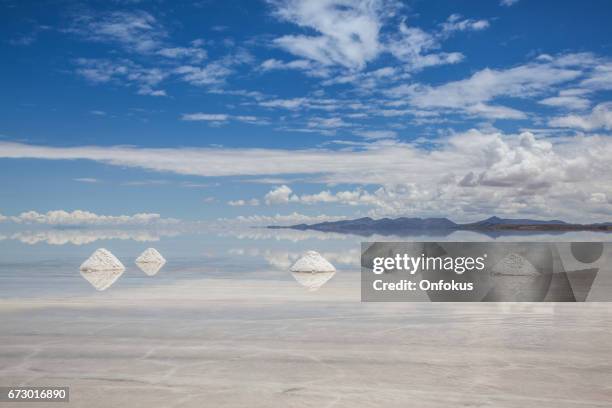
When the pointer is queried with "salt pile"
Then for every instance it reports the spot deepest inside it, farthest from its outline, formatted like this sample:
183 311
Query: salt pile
312 280
312 262
515 265
102 269
102 279
150 261
312 270
102 260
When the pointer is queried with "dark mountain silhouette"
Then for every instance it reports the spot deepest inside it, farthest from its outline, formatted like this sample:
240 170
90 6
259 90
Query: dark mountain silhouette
444 226
493 221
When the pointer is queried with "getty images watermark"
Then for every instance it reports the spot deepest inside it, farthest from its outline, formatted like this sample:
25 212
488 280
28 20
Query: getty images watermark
485 271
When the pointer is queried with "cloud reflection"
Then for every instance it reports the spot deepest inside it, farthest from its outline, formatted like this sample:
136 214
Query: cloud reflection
87 236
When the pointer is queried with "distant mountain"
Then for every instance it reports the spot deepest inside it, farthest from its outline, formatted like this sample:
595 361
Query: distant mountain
389 226
386 224
493 221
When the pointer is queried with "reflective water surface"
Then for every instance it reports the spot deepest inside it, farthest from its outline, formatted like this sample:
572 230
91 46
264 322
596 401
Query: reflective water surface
224 323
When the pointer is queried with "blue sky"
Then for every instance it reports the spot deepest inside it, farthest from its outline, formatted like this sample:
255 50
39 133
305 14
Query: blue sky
305 110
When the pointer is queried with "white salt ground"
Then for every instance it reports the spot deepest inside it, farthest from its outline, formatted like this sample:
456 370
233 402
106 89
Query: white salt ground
102 259
312 261
150 255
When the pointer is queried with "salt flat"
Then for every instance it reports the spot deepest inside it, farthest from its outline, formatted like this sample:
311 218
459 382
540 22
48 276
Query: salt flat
271 343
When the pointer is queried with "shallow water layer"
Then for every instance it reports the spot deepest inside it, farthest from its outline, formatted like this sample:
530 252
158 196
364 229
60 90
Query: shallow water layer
224 323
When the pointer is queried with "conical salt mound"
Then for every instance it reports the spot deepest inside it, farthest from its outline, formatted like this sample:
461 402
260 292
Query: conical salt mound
312 261
150 261
102 260
150 255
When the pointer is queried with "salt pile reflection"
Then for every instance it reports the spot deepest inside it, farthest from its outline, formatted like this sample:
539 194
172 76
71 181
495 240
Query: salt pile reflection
312 280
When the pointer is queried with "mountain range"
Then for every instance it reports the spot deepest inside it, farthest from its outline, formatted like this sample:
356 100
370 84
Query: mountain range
390 226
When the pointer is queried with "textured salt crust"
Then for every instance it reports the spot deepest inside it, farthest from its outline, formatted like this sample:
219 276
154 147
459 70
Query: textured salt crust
312 280
101 260
150 255
312 261
515 265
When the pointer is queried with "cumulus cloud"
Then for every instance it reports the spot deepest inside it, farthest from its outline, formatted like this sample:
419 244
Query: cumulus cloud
86 218
284 195
279 195
463 175
599 118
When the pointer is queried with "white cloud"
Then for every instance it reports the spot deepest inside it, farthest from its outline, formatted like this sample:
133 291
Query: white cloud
301 103
494 112
241 203
136 31
307 66
455 23
87 236
567 102
412 46
280 219
211 117
219 118
195 54
376 134
599 118
86 218
327 123
464 175
600 79
279 195
284 195
124 72
473 94
214 73
87 180
508 3
347 31
211 74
